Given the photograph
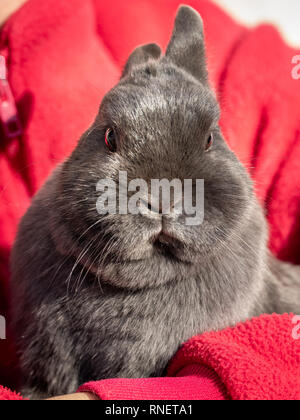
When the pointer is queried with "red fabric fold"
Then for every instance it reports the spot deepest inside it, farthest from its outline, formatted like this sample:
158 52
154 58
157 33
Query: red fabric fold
194 382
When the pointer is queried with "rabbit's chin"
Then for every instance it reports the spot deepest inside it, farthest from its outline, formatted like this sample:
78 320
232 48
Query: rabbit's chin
154 271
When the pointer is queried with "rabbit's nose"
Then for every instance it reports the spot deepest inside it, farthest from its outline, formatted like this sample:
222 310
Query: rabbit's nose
160 206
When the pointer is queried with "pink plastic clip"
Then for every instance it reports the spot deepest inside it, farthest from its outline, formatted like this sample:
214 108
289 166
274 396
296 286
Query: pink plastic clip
8 110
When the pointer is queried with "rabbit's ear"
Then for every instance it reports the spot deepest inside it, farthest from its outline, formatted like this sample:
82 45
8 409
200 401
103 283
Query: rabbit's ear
141 55
187 46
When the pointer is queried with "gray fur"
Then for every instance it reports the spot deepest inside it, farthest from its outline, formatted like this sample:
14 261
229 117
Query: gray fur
93 297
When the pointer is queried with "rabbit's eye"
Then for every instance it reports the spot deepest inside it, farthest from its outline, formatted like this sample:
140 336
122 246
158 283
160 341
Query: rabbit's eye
110 140
209 142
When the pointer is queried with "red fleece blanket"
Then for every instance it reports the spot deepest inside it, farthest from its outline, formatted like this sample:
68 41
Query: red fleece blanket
59 73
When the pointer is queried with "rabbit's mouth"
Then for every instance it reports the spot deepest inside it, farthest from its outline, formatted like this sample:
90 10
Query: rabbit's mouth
167 246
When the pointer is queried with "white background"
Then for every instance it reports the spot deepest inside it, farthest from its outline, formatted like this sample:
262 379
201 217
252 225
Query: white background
284 13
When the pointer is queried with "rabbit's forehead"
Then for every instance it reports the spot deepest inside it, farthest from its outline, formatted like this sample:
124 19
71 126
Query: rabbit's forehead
132 107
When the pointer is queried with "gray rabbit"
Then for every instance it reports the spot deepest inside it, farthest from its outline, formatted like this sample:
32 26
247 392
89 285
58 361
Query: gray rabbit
103 296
